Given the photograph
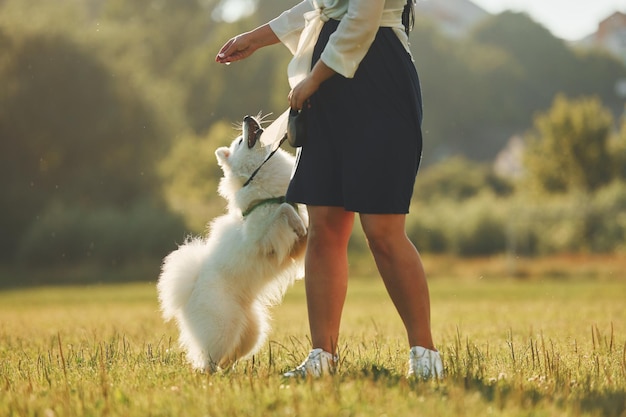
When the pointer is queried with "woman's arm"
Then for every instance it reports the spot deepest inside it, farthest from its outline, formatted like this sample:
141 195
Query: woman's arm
288 26
285 28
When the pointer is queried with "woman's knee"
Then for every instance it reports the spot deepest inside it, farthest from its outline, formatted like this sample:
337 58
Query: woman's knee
383 232
330 225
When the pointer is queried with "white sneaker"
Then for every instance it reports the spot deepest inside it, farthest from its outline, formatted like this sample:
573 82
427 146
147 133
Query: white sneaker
425 364
318 363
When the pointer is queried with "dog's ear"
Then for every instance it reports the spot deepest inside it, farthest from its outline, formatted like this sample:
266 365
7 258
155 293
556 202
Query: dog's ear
222 155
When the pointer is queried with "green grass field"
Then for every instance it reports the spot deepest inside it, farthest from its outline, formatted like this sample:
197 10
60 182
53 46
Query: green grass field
511 348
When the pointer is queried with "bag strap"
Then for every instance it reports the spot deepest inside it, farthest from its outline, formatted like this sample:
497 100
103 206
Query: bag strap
408 16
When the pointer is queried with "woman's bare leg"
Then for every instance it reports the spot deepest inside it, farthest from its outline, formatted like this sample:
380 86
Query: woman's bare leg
326 272
402 271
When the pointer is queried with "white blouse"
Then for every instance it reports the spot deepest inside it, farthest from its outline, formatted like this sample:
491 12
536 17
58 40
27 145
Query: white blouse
299 27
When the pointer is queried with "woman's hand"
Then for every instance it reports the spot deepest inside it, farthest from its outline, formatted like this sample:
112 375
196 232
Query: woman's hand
305 88
244 45
301 93
235 49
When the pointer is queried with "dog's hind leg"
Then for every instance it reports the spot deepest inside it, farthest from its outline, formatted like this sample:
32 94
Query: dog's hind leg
211 326
254 332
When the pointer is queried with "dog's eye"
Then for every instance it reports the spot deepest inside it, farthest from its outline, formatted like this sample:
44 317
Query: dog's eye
240 141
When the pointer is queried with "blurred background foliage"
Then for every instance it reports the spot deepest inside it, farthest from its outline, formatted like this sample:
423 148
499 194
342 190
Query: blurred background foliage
110 113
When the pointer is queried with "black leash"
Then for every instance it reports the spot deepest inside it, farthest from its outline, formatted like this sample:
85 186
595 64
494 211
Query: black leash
266 159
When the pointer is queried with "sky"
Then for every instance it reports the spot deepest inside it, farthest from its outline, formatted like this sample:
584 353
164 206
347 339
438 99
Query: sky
566 19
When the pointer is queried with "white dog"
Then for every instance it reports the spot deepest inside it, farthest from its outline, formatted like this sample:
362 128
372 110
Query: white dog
219 288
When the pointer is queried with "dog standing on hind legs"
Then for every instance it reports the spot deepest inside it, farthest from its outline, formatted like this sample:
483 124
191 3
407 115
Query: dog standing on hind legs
219 288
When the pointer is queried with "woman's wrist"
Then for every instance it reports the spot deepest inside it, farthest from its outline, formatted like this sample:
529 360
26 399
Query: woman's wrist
321 72
262 36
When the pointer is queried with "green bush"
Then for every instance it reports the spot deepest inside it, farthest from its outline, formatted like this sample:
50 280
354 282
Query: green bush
426 226
606 222
558 225
473 227
110 236
480 227
573 222
458 178
486 224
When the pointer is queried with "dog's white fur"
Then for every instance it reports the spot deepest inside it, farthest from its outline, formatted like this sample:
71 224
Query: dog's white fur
218 288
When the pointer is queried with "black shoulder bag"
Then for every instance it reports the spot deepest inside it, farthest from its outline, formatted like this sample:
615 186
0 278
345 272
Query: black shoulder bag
296 127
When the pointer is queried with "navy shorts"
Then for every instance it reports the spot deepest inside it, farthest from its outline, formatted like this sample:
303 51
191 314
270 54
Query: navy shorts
364 140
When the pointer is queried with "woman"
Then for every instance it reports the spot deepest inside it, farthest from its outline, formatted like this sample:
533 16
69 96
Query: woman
353 74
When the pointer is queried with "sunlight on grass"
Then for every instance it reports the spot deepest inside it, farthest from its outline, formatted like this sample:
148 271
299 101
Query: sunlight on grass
540 348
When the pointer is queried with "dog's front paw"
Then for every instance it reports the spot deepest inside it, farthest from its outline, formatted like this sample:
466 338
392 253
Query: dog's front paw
300 229
294 220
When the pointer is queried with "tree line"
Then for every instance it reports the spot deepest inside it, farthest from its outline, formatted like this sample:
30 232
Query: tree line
110 111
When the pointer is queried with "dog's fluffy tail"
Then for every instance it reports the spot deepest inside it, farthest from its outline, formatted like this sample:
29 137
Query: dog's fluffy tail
179 274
